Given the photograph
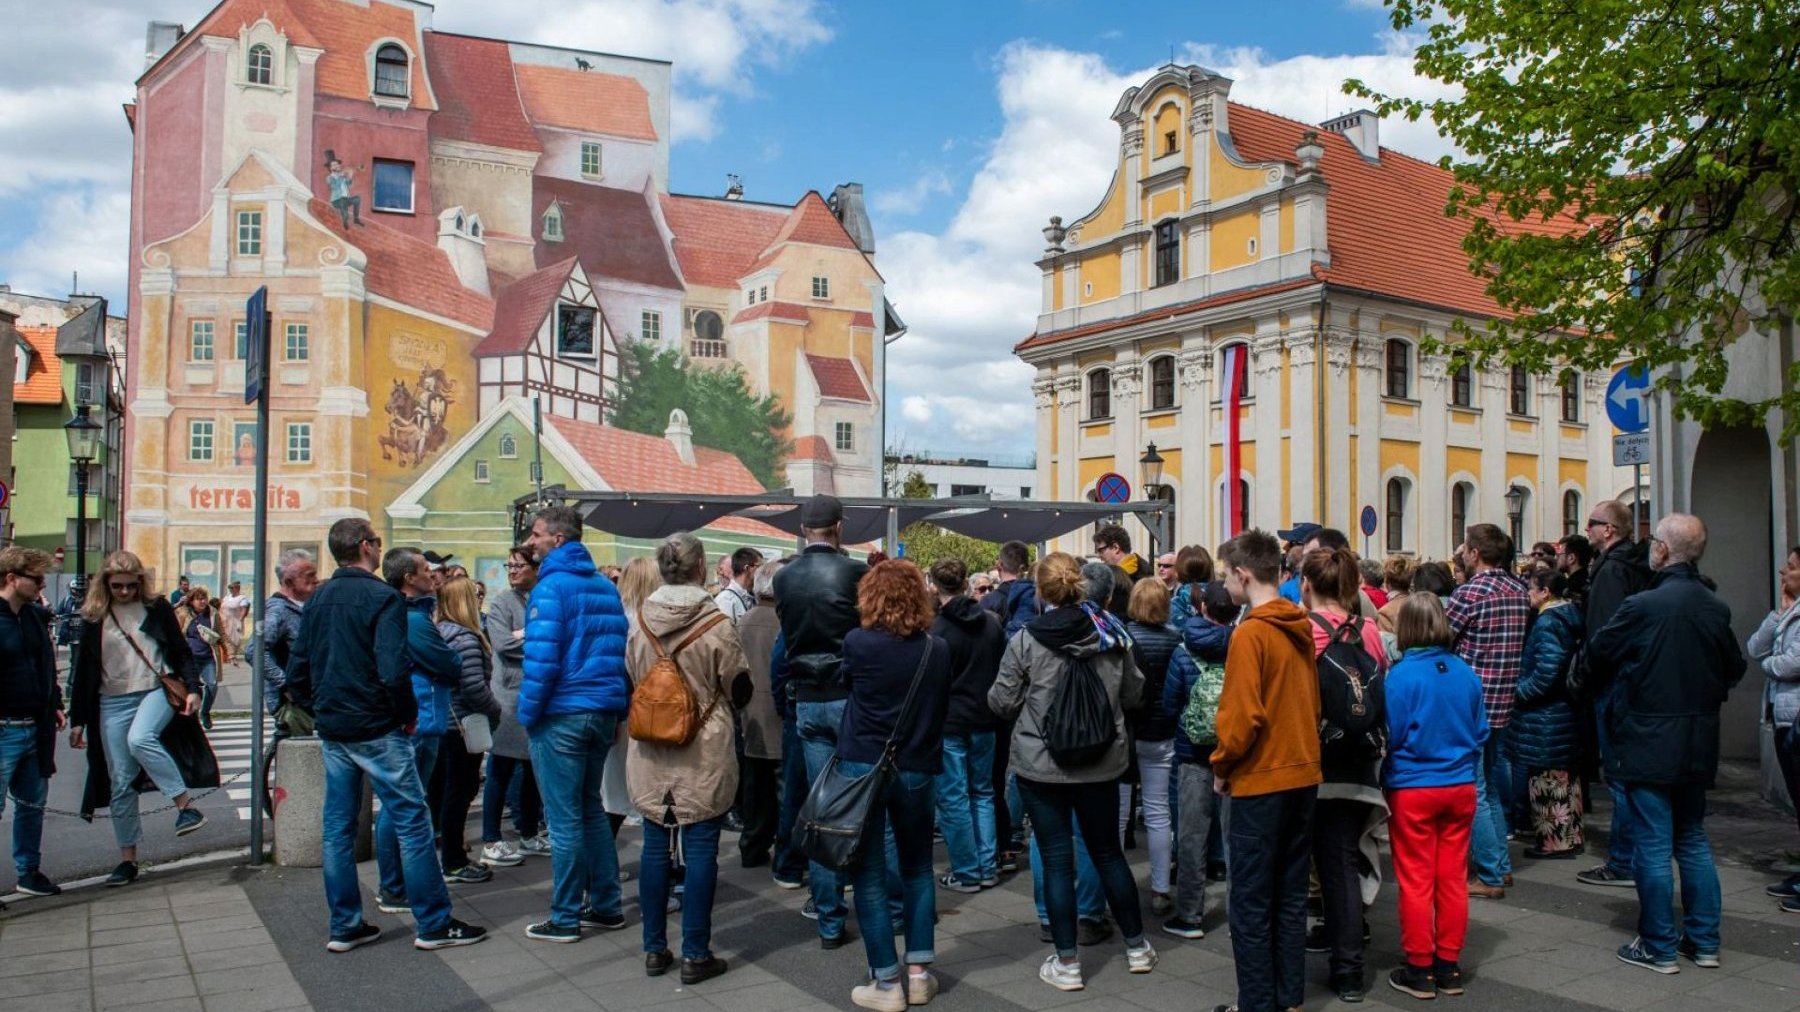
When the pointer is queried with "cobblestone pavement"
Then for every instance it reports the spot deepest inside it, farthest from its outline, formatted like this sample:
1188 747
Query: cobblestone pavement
227 938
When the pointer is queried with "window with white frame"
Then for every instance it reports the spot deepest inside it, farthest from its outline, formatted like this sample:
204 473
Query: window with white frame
86 387
1571 509
553 224
259 65
393 186
509 447
200 341
845 437
1399 368
590 159
650 326
296 343
1162 382
762 294
299 442
1099 394
240 344
1571 398
481 472
393 72
200 439
821 287
1398 491
1462 495
249 233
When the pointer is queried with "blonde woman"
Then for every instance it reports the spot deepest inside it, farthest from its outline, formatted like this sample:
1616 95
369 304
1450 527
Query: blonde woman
459 623
136 723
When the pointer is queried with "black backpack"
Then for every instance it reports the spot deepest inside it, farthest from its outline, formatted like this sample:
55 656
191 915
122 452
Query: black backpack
1079 728
1352 695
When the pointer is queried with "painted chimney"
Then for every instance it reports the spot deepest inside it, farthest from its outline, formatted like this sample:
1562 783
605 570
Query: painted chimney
680 436
1361 128
460 237
735 189
846 202
159 38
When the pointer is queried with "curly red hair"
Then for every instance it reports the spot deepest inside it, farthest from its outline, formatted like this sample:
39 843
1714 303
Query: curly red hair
892 598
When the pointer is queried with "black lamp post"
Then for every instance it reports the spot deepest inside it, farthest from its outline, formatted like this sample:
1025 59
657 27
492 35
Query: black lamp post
84 437
1150 471
1515 511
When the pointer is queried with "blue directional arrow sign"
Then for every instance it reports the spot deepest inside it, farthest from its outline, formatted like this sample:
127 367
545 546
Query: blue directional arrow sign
1628 399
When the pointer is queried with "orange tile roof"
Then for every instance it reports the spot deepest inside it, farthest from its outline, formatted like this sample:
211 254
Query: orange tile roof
585 100
811 222
613 231
716 240
346 31
786 312
812 448
634 462
410 271
520 308
227 19
478 100
837 377
43 380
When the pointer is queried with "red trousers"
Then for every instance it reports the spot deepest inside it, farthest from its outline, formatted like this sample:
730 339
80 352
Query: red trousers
1429 831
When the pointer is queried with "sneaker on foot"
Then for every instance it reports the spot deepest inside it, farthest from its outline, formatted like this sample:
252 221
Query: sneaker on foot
1704 958
1791 905
783 882
592 918
1604 876
1093 932
884 996
1009 862
36 883
1783 889
501 854
1448 977
535 846
188 819
1637 954
388 903
1349 988
921 988
1161 904
809 910
1060 975
1141 958
452 934
468 874
1414 980
357 937
949 881
1316 940
989 881
693 971
125 874
550 931
1183 928
1044 934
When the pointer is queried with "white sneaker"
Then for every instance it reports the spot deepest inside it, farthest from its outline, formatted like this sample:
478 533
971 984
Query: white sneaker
535 846
1060 976
1141 959
883 999
920 989
502 854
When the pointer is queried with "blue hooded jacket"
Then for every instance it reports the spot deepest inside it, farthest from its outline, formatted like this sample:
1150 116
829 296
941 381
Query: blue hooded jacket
433 665
574 641
1021 606
1436 720
1206 640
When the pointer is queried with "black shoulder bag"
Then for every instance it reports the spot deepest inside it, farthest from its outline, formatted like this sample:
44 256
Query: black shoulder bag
831 820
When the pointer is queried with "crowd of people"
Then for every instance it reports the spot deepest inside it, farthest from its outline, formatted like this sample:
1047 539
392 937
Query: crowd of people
1261 718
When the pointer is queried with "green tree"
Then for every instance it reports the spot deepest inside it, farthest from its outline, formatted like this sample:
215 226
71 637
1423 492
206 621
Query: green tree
927 543
723 411
1631 180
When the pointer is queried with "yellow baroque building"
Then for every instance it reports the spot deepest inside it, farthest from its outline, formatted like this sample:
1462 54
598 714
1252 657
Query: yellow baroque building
1328 258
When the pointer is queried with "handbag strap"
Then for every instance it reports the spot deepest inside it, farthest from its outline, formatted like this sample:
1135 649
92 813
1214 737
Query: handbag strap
687 641
887 750
133 641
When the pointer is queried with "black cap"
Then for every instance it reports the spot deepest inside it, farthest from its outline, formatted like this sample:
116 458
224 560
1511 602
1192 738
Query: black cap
821 511
437 561
1300 534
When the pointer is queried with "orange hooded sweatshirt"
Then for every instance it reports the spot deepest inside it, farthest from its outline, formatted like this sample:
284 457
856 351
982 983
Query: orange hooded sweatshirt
1269 707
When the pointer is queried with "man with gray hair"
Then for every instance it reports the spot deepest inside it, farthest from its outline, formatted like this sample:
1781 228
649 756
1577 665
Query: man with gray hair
299 577
1671 657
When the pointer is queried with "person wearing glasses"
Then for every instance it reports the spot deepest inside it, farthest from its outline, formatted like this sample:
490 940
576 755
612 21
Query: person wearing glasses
30 709
127 716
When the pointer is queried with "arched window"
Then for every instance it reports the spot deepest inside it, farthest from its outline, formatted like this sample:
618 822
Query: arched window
1572 518
709 336
1520 391
1461 494
259 65
1397 491
1399 368
1162 382
1462 386
1099 394
393 71
509 447
553 223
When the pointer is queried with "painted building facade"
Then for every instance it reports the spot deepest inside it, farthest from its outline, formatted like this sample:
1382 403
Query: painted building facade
1328 259
443 223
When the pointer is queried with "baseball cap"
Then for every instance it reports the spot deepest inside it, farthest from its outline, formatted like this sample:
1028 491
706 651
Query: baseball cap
1300 533
821 511
436 561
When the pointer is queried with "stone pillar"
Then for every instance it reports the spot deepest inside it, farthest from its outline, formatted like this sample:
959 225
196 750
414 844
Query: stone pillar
1303 430
1197 505
1431 500
1068 435
1493 397
1367 491
1336 448
1265 423
1043 390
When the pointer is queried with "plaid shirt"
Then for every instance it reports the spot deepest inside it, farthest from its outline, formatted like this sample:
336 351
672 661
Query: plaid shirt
1489 615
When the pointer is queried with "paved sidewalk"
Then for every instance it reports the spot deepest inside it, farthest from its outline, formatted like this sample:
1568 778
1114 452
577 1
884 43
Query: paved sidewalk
233 939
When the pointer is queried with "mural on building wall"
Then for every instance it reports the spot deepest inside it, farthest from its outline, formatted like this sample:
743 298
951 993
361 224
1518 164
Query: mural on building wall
340 177
417 410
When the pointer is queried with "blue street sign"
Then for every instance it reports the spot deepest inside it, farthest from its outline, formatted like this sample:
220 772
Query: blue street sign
1112 487
1628 399
1368 521
256 337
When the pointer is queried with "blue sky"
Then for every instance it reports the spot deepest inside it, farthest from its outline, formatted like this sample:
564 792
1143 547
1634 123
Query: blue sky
967 123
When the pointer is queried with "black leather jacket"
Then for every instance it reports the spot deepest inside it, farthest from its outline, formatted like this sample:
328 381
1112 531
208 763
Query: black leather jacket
815 598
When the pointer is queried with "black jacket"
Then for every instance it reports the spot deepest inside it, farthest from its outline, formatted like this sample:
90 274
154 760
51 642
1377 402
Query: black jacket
878 670
31 672
1671 657
1152 646
349 663
1623 570
974 637
183 737
815 598
1546 734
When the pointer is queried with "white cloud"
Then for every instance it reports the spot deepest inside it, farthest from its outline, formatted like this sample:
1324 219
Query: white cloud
76 232
912 197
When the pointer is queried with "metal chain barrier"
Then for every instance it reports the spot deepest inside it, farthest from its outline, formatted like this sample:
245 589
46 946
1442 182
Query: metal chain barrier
194 796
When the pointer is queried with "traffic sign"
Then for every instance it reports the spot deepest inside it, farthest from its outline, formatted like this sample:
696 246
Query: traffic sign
1112 487
1631 449
1368 521
5 494
256 337
1627 399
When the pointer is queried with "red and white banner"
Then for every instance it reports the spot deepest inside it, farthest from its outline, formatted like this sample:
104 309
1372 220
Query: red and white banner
1235 371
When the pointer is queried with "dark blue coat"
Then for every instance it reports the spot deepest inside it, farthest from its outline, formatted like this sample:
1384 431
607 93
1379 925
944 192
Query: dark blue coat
574 641
435 668
349 664
1152 647
1206 640
1546 733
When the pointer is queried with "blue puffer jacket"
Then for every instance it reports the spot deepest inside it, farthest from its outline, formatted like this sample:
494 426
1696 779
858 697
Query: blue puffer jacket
1206 640
1152 648
434 667
1546 733
574 641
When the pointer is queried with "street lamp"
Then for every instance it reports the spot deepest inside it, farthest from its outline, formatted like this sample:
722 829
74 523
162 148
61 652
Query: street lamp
1151 464
84 438
1150 467
1515 511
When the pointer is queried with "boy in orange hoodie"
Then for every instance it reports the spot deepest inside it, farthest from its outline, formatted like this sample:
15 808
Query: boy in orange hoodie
1267 766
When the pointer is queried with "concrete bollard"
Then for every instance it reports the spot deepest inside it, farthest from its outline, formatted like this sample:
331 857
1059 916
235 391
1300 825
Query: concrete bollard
298 789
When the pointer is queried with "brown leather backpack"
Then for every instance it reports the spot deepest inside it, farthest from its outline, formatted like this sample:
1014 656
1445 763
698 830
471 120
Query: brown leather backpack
663 709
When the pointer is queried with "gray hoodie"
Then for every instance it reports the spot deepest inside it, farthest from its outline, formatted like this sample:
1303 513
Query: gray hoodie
1031 672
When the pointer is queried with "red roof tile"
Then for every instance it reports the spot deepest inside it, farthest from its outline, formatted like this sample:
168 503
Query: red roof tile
347 32
43 380
786 312
863 318
477 99
410 271
810 222
227 19
613 232
812 448
634 462
520 308
716 240
837 377
585 100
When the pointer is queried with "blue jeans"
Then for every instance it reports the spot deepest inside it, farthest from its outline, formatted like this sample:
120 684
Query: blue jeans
568 753
209 684
131 727
1621 841
700 851
19 776
789 862
1670 824
818 729
389 865
1055 809
904 809
965 805
1487 843
391 765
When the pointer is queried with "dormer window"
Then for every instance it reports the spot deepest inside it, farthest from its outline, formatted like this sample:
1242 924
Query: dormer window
259 65
393 71
553 224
